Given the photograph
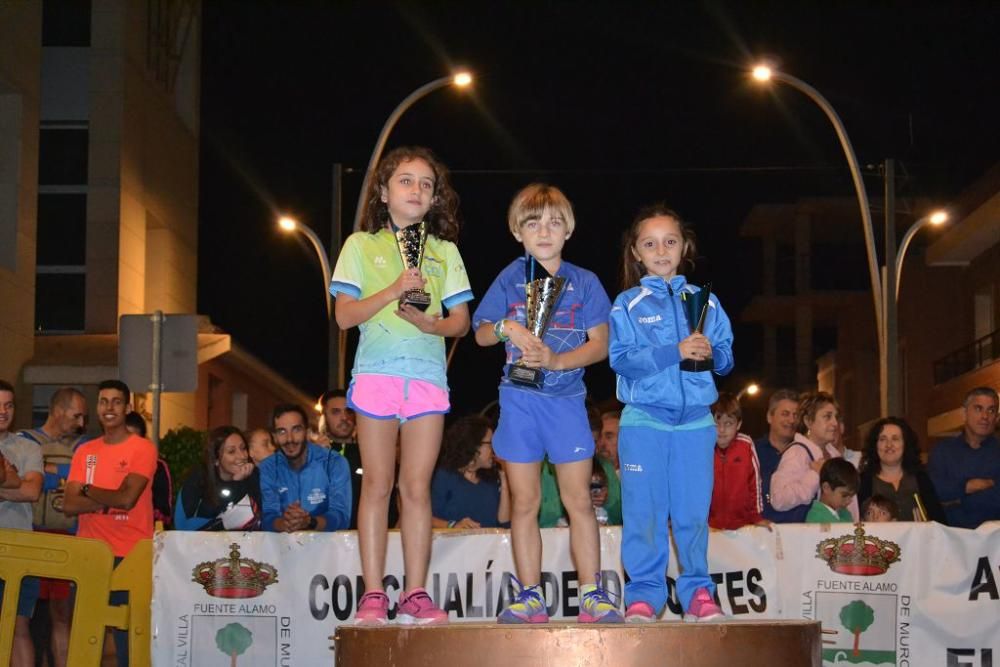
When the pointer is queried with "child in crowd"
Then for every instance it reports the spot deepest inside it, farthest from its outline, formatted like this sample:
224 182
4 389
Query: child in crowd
260 443
879 508
838 484
736 497
599 492
398 384
552 419
666 435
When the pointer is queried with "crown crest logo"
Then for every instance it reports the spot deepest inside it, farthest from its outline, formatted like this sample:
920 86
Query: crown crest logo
859 554
234 577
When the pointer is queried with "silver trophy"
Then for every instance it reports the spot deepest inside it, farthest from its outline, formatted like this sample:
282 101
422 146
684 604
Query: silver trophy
411 241
541 296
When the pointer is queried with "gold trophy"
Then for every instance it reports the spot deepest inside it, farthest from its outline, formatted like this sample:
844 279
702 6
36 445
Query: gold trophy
411 241
542 292
695 307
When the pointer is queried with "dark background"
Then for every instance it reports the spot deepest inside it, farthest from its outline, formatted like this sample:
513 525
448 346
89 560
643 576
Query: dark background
618 104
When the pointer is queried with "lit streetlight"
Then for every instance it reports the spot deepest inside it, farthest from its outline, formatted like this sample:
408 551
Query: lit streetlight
751 389
459 80
936 218
289 225
337 340
888 363
764 73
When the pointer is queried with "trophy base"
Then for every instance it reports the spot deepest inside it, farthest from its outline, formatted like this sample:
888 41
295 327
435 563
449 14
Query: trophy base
526 377
419 299
695 366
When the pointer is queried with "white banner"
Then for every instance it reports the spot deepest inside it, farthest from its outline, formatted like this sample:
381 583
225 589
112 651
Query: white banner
923 595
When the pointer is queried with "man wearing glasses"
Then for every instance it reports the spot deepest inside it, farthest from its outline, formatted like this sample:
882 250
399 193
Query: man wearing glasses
303 486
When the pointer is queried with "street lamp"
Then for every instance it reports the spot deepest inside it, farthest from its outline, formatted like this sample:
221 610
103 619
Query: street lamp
887 366
764 73
936 218
751 389
289 225
459 80
337 340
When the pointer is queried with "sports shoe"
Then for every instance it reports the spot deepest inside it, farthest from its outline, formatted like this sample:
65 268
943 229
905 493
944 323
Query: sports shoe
527 607
640 612
596 605
702 608
373 609
417 608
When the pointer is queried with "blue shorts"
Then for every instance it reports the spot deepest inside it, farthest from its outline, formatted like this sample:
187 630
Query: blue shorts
28 596
532 426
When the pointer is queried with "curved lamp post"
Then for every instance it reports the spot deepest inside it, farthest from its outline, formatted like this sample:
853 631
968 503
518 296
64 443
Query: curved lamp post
764 73
459 80
291 225
936 218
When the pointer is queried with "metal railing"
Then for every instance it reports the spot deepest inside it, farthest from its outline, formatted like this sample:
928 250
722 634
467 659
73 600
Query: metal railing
975 355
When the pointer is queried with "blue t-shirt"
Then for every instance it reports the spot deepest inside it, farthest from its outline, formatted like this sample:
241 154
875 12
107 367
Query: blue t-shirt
453 498
584 304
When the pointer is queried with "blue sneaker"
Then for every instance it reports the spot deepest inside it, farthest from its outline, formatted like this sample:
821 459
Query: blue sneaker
596 605
527 607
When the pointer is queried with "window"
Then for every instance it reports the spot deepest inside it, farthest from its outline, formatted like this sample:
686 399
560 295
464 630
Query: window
62 229
59 300
61 244
62 155
66 23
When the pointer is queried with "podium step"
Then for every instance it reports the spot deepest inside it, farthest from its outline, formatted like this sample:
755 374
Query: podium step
729 644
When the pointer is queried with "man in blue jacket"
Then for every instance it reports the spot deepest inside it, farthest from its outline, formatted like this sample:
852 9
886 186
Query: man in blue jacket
304 486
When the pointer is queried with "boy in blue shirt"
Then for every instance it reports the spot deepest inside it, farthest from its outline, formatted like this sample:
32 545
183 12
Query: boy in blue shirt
552 419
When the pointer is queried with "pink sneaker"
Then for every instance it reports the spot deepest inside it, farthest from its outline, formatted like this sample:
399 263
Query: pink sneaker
417 608
373 609
640 612
703 608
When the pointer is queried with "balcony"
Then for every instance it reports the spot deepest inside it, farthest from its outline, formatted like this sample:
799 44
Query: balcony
975 355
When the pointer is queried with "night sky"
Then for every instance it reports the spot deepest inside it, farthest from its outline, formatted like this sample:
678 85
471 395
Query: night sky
618 104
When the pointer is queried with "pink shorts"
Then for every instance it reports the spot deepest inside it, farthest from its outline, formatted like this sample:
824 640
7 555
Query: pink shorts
392 397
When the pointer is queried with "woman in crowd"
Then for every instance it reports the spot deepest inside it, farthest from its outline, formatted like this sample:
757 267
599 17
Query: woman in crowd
795 484
469 490
890 467
225 493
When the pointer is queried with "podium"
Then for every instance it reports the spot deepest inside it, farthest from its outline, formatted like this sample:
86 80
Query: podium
720 644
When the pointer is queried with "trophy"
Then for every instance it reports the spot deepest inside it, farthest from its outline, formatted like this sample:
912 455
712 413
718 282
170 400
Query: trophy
411 241
542 292
695 307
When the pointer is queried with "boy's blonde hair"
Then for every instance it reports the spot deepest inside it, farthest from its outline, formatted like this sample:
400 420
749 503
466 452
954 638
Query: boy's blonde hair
532 201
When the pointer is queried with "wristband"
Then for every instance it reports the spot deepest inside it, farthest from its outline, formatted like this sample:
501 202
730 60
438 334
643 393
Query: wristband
84 490
451 524
498 332
312 523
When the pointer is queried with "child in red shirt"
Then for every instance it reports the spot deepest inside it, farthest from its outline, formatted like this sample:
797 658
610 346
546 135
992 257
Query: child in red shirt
736 496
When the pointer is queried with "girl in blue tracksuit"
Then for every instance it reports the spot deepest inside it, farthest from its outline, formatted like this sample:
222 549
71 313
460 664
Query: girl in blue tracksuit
667 432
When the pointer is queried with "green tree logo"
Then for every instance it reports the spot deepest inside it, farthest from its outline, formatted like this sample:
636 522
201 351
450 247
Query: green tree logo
233 640
856 617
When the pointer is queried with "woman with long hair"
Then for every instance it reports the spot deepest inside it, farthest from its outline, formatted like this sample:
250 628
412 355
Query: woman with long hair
891 467
224 494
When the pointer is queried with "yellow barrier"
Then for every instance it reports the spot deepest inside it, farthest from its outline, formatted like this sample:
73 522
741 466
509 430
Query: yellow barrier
90 564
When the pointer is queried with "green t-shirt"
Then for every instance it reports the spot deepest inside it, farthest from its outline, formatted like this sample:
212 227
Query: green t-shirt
822 513
390 345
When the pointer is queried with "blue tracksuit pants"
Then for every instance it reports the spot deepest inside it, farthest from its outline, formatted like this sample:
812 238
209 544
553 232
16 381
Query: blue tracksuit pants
665 475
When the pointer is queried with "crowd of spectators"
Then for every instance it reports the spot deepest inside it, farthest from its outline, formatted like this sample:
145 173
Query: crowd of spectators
288 476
